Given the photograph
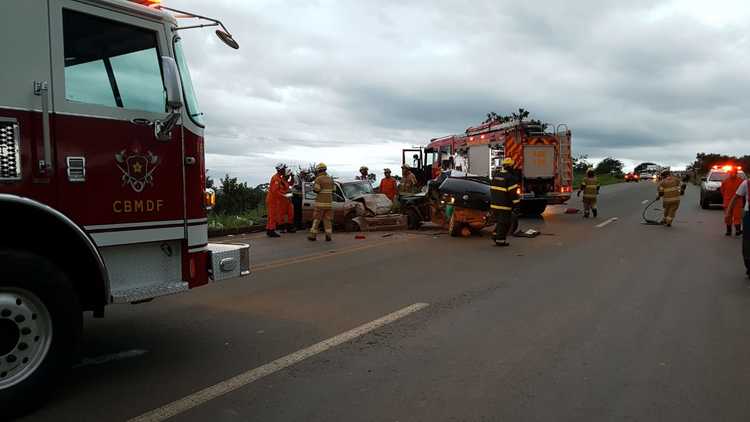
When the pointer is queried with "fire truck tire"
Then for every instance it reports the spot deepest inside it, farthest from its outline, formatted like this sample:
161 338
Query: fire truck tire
40 329
533 208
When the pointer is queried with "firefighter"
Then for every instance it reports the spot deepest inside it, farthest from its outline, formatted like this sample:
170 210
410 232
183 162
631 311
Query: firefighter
388 185
364 174
275 199
670 189
408 185
733 214
742 196
323 187
286 208
590 187
505 200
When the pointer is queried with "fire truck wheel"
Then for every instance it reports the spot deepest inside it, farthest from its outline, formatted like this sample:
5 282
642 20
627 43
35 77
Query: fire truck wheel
40 329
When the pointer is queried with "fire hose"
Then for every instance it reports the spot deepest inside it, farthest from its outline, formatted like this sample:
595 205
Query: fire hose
647 220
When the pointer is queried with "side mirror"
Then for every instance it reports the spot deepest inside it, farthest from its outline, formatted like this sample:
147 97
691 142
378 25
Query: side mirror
172 83
173 86
703 179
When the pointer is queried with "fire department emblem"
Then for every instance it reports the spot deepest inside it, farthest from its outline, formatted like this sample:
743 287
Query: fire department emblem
137 168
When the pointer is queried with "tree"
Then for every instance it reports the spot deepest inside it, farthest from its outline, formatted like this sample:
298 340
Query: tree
609 165
522 114
235 198
581 163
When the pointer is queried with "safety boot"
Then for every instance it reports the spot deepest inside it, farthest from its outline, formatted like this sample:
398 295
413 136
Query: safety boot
312 237
729 230
290 228
502 243
328 237
595 211
272 233
738 230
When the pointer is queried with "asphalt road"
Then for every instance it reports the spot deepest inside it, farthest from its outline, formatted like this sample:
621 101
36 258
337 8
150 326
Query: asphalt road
620 321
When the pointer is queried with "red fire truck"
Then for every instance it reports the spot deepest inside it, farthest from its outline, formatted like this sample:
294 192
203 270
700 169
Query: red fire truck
543 158
102 176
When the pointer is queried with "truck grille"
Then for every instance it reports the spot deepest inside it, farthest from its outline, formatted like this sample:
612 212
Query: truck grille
10 154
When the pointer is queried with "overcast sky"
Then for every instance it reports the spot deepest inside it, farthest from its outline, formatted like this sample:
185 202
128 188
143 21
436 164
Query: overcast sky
352 82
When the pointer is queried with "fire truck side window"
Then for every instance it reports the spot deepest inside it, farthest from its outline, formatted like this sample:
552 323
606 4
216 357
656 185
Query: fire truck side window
111 63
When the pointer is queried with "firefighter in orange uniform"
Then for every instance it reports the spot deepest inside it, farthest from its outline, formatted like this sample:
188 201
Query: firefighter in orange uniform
286 208
388 185
733 214
590 188
670 189
275 200
323 187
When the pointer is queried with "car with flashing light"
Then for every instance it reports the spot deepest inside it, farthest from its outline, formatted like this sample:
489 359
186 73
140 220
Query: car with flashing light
632 177
711 184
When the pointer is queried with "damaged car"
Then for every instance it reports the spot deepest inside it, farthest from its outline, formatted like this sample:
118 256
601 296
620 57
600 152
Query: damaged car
356 207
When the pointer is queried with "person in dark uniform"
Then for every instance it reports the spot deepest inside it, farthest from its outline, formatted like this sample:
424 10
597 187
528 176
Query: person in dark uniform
504 200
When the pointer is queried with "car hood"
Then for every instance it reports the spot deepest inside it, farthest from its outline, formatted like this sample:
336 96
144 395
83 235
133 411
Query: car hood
375 203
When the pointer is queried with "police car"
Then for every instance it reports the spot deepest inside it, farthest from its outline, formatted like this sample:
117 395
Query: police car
711 183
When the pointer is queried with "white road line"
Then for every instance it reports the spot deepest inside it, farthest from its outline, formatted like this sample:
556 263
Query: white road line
611 220
207 394
110 358
645 201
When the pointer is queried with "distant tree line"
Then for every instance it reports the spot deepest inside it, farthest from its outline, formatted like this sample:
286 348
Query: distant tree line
703 162
234 197
609 165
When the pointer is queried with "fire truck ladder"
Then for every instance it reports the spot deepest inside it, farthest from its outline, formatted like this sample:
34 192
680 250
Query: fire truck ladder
566 163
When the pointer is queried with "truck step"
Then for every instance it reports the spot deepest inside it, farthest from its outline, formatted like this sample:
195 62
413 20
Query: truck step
140 293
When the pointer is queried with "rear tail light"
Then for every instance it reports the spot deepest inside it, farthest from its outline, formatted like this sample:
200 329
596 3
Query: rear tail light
209 198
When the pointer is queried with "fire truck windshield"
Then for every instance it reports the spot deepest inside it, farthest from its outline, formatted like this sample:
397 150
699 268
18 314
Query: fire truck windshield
187 84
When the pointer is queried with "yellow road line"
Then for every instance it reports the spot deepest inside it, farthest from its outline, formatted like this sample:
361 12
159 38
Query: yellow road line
306 258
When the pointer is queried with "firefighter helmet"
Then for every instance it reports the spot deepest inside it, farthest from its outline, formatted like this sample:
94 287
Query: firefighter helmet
387 171
508 161
363 168
280 167
321 167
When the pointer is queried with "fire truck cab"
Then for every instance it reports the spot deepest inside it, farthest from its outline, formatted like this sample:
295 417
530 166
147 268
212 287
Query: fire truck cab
102 177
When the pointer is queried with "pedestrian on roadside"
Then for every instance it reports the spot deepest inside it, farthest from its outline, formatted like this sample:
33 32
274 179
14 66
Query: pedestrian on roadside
742 195
733 214
275 200
323 187
590 188
670 190
408 185
388 186
504 200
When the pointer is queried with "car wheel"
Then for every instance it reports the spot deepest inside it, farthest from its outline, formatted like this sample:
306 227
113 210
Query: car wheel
704 203
413 220
40 329
454 227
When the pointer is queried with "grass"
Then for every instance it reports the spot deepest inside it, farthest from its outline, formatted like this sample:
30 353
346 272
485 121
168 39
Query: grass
604 180
235 221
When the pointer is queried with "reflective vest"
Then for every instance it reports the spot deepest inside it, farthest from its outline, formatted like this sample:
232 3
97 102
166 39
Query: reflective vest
504 191
590 187
408 184
323 186
669 189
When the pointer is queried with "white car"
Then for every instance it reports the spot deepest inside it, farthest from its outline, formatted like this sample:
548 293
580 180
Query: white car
710 185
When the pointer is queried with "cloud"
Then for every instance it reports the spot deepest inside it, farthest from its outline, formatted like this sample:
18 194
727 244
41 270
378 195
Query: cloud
351 83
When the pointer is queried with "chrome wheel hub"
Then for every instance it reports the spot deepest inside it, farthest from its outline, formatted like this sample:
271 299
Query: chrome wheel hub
25 335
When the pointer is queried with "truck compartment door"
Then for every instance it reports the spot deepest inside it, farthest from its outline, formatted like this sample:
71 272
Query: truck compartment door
539 161
479 160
